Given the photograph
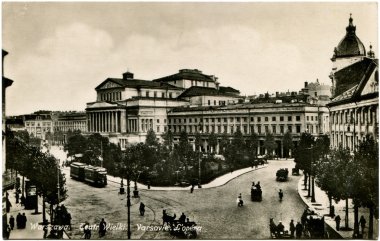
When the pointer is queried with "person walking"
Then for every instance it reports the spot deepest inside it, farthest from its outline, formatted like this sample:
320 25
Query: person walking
292 228
142 209
18 221
192 188
362 223
280 194
102 228
87 230
17 196
8 205
299 229
12 222
23 220
337 222
240 201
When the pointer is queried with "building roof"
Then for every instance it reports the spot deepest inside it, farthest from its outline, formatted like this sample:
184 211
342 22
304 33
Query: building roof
202 91
137 83
352 80
351 75
350 45
228 89
188 74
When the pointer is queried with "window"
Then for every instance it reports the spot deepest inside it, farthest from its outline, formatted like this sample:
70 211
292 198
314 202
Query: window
307 118
225 129
207 129
266 118
170 95
232 129
298 118
258 119
162 95
245 129
147 94
282 129
225 120
273 129
209 102
290 129
214 102
266 129
219 129
212 120
184 120
231 119
273 118
259 129
179 120
245 119
206 119
218 120
158 128
155 94
252 119
289 118
237 119
158 120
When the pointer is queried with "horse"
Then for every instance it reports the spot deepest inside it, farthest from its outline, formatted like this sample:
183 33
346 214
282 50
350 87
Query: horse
168 219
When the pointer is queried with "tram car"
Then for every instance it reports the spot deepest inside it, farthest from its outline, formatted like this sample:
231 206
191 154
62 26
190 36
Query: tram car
96 176
77 171
314 227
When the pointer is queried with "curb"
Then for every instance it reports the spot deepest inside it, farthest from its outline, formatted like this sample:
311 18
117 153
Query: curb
304 199
204 186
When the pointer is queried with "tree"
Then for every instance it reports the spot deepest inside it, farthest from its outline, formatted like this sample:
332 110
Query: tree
303 153
151 139
287 142
212 141
269 143
198 141
168 140
184 150
252 145
76 144
236 150
224 142
367 158
322 146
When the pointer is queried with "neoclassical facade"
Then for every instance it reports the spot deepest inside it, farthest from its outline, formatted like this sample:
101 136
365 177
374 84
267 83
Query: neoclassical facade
354 108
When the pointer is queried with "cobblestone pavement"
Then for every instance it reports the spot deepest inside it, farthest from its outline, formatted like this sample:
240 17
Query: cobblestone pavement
213 209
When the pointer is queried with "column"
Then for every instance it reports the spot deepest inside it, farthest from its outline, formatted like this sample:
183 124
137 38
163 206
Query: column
117 121
101 122
108 121
113 121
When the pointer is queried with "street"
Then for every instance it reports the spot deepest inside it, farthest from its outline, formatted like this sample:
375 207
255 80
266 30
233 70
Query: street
214 209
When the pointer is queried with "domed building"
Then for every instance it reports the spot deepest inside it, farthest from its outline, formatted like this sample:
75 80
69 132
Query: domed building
354 107
349 50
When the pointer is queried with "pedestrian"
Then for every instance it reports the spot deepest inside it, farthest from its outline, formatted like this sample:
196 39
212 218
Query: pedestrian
23 220
280 227
45 228
87 230
292 228
182 218
17 196
8 205
7 232
102 228
12 222
240 201
299 229
142 209
69 220
192 188
22 200
362 223
280 194
18 220
337 222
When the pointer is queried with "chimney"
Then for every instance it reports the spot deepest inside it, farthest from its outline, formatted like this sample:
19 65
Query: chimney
128 75
277 94
306 84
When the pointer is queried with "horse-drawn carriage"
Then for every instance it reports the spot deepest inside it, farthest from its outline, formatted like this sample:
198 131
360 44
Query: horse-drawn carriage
277 231
295 171
256 193
314 227
282 174
180 228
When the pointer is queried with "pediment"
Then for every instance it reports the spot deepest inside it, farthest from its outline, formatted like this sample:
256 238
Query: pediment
109 85
101 105
372 86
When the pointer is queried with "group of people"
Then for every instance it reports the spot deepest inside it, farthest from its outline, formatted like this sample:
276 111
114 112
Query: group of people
20 221
171 219
87 229
61 216
279 230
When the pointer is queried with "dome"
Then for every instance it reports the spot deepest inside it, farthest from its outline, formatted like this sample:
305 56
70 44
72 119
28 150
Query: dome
350 45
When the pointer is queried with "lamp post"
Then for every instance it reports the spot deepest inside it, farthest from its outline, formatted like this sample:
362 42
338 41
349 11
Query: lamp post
129 207
312 172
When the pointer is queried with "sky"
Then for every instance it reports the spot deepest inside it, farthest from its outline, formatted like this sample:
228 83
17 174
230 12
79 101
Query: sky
60 51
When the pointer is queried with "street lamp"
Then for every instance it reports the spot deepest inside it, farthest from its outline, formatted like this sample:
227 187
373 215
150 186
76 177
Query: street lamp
125 171
312 175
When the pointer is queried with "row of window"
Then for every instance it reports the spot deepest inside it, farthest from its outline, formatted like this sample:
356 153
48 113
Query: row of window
350 118
155 94
260 129
231 119
37 124
111 96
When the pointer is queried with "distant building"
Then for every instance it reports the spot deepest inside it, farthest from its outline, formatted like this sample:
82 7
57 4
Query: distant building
354 109
317 93
69 121
15 123
38 124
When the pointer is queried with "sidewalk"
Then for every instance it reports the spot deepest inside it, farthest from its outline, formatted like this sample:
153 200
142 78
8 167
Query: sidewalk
219 181
321 207
32 230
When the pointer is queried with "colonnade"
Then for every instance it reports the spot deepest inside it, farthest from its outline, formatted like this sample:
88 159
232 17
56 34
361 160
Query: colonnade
105 121
351 125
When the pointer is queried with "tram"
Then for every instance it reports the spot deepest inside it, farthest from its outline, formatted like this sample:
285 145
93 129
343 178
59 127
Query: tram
96 176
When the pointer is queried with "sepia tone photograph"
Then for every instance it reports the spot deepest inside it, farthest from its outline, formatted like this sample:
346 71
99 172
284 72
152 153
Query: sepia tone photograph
190 120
